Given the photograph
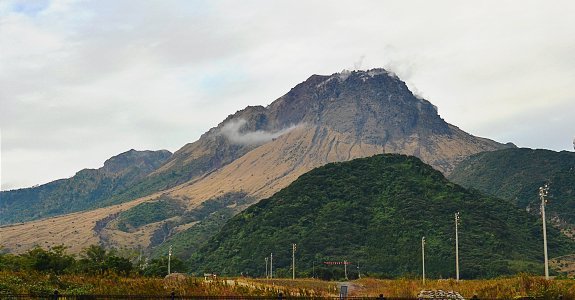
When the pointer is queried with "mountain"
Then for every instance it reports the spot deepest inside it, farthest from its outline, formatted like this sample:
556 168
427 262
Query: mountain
517 174
259 150
373 212
83 191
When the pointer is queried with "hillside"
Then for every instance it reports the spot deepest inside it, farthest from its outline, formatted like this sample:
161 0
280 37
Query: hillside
85 190
259 150
374 211
517 174
213 150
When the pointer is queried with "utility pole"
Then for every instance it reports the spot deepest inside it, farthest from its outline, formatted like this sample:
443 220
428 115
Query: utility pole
313 269
456 246
169 259
140 259
266 267
543 192
345 268
423 258
358 271
271 265
293 247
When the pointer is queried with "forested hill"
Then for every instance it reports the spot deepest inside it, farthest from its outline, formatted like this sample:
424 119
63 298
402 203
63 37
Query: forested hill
88 189
517 174
373 212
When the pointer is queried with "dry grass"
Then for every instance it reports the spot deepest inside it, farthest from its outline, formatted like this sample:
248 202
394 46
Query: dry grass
43 284
503 288
299 287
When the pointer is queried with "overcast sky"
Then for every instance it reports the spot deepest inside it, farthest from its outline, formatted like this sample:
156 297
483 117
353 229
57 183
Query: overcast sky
81 81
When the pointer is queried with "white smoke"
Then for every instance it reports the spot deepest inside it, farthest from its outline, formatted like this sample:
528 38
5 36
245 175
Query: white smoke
231 130
357 65
345 73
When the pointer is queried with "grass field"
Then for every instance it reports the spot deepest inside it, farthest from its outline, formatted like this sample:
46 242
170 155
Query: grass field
502 288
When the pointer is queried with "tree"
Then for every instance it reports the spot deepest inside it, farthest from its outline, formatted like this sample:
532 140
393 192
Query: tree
53 260
96 260
118 265
158 267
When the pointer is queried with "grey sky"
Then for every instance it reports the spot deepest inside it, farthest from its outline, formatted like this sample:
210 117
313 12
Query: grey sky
81 81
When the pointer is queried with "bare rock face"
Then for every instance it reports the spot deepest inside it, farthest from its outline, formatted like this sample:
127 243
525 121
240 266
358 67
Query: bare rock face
372 108
374 105
367 107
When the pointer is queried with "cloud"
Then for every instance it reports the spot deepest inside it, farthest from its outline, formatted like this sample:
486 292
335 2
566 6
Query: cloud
233 131
357 65
81 81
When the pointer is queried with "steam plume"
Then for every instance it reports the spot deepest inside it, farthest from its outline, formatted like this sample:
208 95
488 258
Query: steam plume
231 130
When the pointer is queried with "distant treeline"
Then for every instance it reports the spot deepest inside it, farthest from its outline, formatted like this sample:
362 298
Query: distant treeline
93 260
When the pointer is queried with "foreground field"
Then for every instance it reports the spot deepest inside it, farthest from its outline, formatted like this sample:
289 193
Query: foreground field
503 288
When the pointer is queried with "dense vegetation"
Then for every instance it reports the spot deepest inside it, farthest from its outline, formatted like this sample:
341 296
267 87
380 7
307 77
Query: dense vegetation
41 285
146 213
96 271
159 181
208 218
373 212
93 260
517 174
88 189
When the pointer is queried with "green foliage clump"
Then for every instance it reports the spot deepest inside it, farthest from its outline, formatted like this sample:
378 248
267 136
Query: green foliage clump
158 267
97 260
147 213
208 218
373 212
93 260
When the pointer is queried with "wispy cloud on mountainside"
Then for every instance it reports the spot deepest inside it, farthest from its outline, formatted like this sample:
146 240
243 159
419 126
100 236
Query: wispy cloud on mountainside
232 130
